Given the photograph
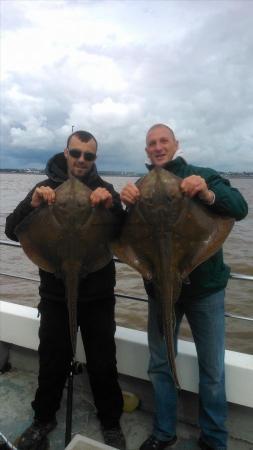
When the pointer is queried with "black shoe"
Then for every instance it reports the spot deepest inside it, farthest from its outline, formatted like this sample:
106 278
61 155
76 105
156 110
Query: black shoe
203 445
152 443
34 437
114 437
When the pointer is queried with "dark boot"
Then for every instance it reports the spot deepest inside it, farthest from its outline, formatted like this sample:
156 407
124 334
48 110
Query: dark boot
114 437
152 443
203 445
35 436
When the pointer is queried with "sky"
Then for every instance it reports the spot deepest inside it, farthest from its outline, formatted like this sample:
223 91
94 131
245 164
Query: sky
117 67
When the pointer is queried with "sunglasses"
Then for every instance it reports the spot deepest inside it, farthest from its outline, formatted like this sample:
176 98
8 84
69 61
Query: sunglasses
76 153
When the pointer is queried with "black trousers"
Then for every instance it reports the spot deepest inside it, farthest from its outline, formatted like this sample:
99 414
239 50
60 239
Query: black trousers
97 324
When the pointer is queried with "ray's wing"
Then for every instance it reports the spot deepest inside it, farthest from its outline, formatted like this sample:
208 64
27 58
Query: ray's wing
197 235
135 245
40 236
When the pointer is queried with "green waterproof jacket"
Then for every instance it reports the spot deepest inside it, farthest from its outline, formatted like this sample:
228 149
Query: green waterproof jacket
212 275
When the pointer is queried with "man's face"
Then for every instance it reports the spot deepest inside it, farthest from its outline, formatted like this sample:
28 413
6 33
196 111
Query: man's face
79 166
161 146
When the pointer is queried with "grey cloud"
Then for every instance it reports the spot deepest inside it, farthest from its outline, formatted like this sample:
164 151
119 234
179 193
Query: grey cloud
200 83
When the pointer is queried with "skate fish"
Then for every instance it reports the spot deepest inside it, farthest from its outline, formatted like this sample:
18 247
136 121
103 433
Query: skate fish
70 239
165 236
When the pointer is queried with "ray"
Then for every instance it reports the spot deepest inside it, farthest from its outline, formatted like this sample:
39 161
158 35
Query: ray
165 236
70 239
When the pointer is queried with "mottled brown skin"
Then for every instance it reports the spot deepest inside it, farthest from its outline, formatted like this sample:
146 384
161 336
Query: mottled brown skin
165 236
68 238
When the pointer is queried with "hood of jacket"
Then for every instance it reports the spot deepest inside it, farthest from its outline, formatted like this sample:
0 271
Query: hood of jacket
57 170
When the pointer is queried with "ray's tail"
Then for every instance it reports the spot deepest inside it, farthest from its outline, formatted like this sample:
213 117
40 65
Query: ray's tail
168 287
71 285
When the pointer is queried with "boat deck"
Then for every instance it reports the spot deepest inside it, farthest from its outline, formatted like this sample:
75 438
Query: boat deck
17 388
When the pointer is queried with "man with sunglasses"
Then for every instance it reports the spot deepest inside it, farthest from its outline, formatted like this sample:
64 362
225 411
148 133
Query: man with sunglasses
95 309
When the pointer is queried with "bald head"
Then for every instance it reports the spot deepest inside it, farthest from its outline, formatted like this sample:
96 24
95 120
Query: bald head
161 144
160 125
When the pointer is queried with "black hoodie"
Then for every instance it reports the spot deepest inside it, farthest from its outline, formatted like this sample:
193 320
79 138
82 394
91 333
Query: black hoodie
96 285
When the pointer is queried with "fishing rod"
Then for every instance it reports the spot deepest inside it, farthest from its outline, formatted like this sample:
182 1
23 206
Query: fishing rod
69 407
75 369
5 444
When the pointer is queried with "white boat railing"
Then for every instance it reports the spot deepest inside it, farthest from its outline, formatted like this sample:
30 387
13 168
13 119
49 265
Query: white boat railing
19 326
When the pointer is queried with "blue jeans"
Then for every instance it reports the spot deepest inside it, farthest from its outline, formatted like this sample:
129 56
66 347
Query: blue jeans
206 319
